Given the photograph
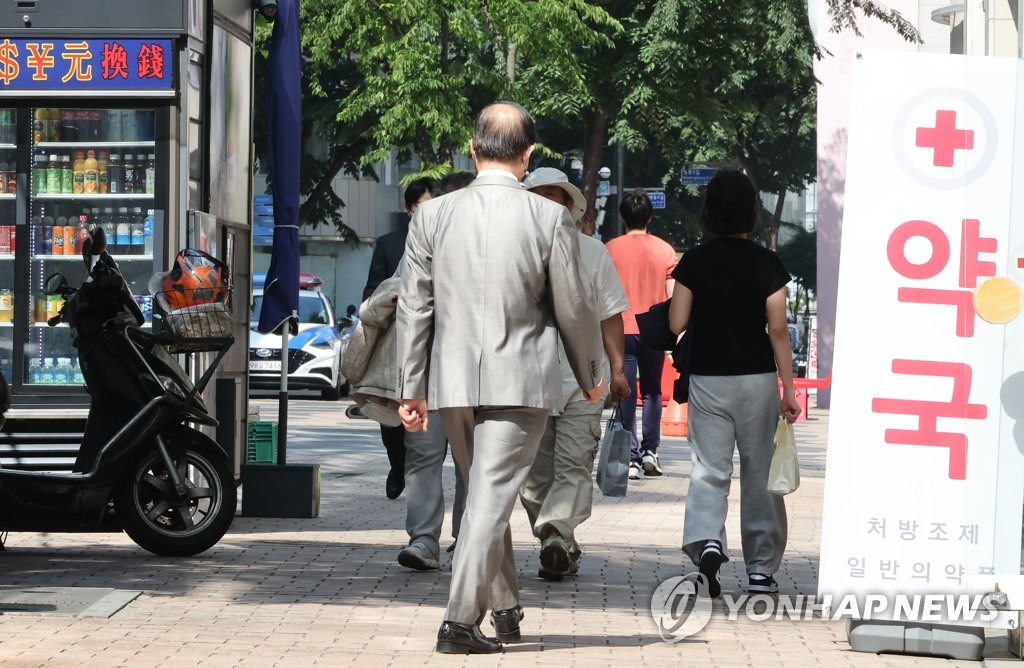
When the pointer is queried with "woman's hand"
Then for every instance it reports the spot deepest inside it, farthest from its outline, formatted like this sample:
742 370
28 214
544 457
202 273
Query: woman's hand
790 407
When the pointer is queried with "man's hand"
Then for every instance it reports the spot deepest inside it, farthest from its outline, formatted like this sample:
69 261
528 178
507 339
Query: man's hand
596 394
619 387
413 413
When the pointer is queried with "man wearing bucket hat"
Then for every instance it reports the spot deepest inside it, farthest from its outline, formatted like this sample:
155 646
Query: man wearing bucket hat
558 491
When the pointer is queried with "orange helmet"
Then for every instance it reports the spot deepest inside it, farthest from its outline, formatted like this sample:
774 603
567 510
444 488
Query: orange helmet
195 278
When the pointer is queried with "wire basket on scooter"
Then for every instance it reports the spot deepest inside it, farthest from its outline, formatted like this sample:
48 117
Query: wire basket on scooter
196 320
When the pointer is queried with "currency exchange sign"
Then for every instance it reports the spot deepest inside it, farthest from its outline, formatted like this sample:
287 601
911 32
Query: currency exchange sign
40 64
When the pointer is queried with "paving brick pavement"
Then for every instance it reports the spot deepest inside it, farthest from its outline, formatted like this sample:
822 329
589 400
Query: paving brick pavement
328 592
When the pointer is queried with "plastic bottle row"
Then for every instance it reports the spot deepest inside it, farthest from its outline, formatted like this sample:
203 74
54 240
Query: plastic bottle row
93 172
54 371
130 125
128 231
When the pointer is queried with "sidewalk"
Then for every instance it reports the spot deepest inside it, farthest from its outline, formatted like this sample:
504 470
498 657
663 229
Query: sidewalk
328 592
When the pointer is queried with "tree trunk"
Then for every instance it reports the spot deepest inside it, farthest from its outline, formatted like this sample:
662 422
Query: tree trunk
510 63
595 135
776 223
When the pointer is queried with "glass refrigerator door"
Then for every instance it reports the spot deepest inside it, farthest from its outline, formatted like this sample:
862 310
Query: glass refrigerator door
8 213
89 167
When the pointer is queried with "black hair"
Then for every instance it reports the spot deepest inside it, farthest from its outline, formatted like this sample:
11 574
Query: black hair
415 190
455 181
636 209
503 132
350 309
730 204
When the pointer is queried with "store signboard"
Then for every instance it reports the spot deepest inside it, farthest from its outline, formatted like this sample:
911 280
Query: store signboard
925 472
49 65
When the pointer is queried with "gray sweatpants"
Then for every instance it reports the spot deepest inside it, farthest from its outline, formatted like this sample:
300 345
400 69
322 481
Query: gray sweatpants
728 413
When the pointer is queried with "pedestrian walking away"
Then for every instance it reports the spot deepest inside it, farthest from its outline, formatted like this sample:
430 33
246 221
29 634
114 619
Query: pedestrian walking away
491 277
387 253
644 263
733 293
559 490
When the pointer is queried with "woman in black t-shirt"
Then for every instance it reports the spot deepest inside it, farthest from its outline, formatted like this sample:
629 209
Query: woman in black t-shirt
730 293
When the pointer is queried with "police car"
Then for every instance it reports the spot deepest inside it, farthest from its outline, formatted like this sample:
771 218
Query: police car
314 353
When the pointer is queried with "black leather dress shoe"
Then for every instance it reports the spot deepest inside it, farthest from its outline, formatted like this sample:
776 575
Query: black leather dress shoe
395 484
506 623
456 638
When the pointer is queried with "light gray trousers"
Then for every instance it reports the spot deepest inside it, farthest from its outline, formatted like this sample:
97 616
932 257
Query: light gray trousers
424 492
495 446
728 413
559 491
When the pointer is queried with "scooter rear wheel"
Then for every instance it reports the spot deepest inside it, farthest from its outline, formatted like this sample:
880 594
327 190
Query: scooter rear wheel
171 524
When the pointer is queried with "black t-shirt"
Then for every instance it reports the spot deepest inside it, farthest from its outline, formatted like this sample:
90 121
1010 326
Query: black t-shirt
730 279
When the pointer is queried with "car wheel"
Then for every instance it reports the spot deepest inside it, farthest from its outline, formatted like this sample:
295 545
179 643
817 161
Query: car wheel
334 393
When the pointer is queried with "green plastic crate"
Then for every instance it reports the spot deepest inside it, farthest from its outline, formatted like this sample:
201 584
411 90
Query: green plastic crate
262 443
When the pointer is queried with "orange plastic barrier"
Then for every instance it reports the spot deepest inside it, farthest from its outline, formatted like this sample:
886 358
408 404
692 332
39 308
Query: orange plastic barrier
800 387
674 420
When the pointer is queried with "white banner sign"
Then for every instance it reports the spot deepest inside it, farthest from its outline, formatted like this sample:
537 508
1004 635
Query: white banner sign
924 483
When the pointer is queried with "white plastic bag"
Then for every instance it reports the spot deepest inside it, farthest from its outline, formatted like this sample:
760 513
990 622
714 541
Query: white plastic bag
784 474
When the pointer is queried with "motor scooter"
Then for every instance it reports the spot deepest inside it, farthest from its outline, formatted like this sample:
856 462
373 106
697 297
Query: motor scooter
142 466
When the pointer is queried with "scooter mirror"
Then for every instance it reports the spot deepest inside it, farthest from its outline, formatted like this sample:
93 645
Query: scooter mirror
95 244
55 284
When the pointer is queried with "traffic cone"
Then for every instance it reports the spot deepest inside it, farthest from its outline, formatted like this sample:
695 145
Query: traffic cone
674 419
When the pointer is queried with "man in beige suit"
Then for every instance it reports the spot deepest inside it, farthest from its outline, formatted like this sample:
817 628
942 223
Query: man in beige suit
491 279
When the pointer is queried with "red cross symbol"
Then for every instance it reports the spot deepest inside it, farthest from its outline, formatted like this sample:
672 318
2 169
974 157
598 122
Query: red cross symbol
944 138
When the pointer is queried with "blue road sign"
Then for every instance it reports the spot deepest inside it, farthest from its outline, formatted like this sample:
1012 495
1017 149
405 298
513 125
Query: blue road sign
657 199
697 176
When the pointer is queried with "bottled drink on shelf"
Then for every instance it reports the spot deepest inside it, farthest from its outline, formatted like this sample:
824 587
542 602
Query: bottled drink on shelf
57 240
71 246
53 125
40 311
40 125
128 170
113 117
46 374
150 174
109 227
92 175
140 173
147 233
39 168
103 159
123 243
69 124
53 175
78 172
137 232
6 305
82 232
79 379
115 174
67 175
35 373
63 375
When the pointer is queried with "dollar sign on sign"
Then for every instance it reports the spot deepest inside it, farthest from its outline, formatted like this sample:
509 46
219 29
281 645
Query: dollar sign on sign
8 64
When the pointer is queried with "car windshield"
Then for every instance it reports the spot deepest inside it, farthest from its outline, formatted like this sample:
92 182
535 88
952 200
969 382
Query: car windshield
311 309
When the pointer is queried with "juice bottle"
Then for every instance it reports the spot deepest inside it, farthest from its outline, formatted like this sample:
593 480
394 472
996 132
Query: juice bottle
40 307
92 175
53 124
78 172
102 160
6 305
40 125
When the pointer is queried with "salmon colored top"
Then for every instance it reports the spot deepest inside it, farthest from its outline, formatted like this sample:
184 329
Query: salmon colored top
644 262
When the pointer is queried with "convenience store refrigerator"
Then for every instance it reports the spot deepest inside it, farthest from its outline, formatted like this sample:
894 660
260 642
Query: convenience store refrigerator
66 170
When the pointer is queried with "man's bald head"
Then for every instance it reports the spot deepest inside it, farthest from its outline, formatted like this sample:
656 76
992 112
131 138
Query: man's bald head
504 131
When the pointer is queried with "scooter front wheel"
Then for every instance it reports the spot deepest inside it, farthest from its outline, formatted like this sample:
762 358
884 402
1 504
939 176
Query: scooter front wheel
171 523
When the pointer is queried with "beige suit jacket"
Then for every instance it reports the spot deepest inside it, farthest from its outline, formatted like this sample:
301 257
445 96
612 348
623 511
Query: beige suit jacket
491 277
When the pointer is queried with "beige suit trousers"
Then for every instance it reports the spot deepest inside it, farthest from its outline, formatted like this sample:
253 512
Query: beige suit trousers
496 446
